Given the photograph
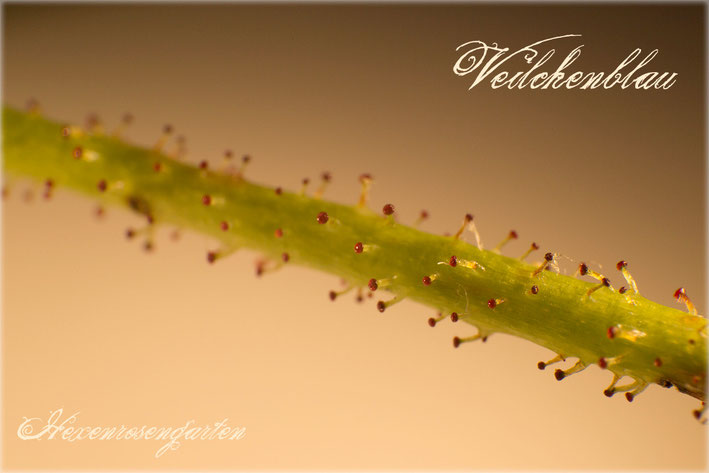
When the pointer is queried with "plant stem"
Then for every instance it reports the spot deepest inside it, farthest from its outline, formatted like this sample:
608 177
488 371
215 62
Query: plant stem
623 332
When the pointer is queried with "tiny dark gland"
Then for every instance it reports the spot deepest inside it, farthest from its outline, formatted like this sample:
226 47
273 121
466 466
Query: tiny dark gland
608 392
333 295
492 303
206 199
606 282
549 256
285 257
279 191
535 289
388 209
322 218
77 152
541 365
454 317
453 261
622 290
535 246
381 306
602 363
372 284
426 281
621 265
583 269
359 247
629 397
432 322
559 375
513 235
468 217
657 362
456 342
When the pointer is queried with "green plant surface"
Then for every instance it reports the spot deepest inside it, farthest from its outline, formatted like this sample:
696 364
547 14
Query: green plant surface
576 317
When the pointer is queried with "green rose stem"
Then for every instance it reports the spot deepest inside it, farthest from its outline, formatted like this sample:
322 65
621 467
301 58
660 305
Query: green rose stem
589 320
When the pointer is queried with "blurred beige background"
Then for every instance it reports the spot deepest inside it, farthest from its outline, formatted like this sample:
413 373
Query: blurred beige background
92 324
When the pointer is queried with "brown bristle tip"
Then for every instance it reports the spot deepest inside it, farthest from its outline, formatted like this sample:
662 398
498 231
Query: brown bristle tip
426 280
148 246
423 215
228 154
549 256
492 303
211 256
77 152
602 363
534 290
372 284
326 176
691 341
305 181
629 397
157 167
322 218
453 261
224 226
456 342
359 247
381 306
388 209
49 183
679 293
513 235
559 375
454 317
697 413
203 165
285 257
657 362
431 322
332 295
167 129
468 218
246 159
278 233
606 282
583 269
102 185
535 246
206 199
541 365
130 233
611 332
620 265
608 392
278 191
365 177
622 290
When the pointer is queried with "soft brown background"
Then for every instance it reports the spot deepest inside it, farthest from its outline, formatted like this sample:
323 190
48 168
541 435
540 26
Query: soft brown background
91 323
